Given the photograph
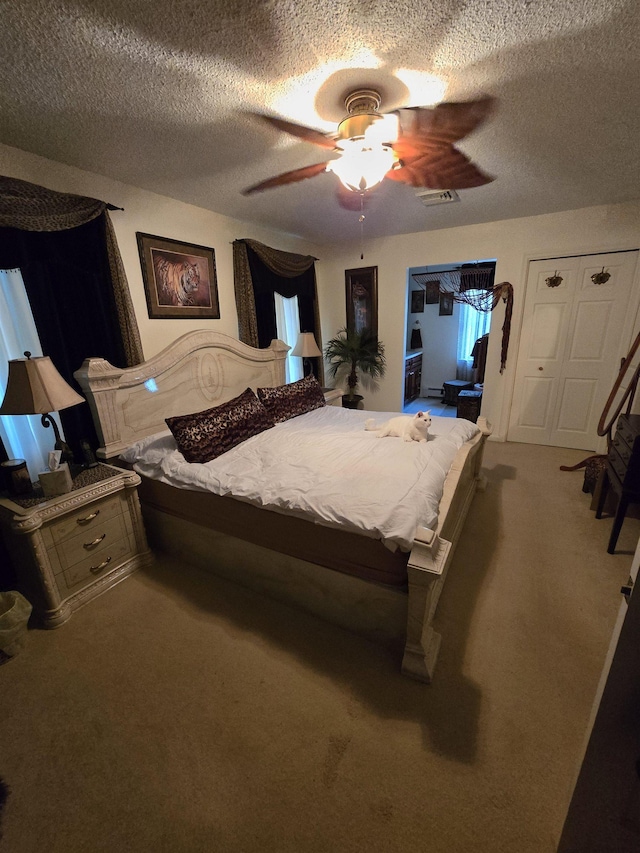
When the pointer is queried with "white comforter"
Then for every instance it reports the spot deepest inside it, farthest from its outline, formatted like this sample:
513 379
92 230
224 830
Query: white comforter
324 466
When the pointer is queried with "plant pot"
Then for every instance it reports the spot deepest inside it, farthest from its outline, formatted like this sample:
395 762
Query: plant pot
351 402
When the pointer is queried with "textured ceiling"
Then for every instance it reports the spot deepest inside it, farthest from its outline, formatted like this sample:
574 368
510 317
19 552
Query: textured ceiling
155 94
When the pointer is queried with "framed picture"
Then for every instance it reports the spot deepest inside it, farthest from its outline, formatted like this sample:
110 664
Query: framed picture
446 304
433 292
179 279
417 301
362 299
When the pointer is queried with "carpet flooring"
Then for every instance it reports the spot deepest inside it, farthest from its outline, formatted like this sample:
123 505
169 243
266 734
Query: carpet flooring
179 712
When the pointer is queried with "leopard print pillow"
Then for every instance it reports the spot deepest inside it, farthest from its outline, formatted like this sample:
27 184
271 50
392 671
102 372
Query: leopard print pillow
205 435
296 398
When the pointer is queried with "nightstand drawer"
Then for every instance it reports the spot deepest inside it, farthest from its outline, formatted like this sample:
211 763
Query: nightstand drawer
618 464
625 430
86 519
91 542
621 447
96 565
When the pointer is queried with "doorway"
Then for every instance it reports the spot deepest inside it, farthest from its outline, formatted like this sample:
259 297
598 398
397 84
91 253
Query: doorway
441 356
577 323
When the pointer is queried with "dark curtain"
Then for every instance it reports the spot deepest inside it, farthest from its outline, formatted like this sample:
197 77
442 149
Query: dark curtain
66 249
266 283
67 279
259 271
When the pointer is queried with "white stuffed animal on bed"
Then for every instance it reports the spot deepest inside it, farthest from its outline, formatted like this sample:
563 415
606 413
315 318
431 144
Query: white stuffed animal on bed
409 428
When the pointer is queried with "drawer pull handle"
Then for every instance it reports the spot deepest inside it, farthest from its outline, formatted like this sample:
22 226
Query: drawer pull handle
95 569
88 517
95 542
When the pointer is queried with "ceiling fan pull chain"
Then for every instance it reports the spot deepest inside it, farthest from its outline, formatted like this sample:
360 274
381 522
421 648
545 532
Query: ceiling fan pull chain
361 221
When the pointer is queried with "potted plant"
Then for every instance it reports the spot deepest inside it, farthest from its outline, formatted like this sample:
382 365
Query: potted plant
357 352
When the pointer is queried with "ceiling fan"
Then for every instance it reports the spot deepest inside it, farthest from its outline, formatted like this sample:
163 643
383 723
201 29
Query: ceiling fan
412 145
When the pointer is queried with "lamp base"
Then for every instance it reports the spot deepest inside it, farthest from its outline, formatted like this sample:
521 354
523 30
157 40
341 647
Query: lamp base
66 454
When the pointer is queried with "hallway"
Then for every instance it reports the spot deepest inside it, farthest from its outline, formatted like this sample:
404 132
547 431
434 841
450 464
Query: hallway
434 405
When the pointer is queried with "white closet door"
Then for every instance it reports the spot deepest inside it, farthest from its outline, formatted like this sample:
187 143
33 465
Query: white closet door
573 337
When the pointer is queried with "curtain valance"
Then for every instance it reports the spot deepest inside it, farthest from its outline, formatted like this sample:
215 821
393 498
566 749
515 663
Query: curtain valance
474 285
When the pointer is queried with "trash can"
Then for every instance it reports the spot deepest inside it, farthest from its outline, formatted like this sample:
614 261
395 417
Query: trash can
14 615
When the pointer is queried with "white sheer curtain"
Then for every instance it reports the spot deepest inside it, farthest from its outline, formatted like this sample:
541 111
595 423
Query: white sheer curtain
473 324
288 329
23 436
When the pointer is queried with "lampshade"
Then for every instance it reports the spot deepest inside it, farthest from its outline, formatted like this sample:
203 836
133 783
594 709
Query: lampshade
306 346
35 387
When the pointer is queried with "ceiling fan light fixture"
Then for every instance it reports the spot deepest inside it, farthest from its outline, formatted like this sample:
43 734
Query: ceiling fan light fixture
362 166
365 138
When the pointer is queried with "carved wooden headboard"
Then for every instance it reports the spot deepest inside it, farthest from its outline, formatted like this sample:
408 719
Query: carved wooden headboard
197 371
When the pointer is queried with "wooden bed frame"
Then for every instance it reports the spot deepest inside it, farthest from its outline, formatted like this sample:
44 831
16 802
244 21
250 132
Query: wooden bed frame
311 566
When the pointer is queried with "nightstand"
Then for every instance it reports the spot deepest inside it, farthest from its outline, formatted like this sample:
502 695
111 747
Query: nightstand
69 549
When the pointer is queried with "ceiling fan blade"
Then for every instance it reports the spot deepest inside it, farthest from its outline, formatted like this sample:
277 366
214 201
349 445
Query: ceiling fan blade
287 178
442 168
307 134
447 122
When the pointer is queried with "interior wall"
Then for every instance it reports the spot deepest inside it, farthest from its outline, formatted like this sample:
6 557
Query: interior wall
154 214
512 242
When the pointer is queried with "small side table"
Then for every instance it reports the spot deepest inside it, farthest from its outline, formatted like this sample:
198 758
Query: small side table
468 406
453 388
69 549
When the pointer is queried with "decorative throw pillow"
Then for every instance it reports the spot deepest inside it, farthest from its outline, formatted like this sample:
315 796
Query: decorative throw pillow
288 401
203 436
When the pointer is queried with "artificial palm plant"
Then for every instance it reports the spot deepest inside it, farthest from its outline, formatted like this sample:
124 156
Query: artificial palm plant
357 351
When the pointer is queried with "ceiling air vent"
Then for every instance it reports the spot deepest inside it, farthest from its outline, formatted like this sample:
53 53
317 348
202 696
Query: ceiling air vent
429 197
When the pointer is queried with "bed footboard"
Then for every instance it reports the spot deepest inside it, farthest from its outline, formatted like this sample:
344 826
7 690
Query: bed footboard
431 556
426 569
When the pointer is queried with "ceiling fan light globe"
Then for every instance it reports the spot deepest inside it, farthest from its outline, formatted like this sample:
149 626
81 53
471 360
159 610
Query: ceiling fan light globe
383 130
361 166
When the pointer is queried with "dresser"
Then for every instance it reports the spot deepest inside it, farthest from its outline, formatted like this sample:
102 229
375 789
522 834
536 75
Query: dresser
67 550
622 473
412 376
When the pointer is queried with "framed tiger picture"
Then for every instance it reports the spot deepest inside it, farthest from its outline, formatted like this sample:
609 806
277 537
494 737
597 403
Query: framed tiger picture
179 279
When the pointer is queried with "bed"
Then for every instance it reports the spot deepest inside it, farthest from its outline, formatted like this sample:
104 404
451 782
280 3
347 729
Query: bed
383 582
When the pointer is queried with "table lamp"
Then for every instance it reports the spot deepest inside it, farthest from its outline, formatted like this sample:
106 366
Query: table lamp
306 347
35 387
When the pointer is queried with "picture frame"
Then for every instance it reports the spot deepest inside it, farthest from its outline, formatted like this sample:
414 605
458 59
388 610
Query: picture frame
432 292
417 301
446 304
361 286
180 279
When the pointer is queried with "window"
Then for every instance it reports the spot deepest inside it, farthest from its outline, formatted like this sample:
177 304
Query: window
23 436
288 329
473 325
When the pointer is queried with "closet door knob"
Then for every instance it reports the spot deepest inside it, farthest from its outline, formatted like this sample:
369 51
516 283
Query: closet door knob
541 368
